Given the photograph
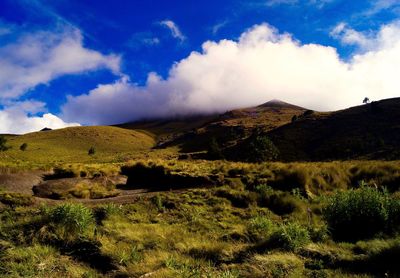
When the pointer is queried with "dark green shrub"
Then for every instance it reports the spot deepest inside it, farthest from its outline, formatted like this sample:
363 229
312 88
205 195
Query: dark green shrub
214 150
278 202
91 151
158 202
71 221
23 147
289 237
361 213
3 144
259 148
157 176
60 173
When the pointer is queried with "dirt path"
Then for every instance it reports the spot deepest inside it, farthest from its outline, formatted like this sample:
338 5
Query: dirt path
125 197
23 183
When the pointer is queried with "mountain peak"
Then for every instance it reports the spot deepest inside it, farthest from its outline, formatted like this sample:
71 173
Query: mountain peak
276 103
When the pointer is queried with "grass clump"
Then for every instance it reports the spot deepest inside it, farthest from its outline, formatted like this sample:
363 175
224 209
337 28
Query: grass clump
72 221
260 227
290 237
361 213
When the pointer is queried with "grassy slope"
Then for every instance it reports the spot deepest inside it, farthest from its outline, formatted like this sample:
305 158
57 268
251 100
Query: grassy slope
363 132
237 124
112 144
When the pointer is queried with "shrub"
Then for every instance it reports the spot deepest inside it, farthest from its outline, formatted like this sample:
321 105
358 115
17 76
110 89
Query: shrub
3 144
91 151
290 237
260 227
259 148
361 213
23 147
71 221
60 173
214 150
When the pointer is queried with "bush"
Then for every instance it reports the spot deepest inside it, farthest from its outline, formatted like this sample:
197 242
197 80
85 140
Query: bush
23 147
71 221
260 227
91 151
259 148
3 144
290 237
361 213
214 150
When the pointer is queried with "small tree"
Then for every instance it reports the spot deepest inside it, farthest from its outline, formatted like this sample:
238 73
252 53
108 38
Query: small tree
259 148
3 143
214 150
23 147
366 100
91 151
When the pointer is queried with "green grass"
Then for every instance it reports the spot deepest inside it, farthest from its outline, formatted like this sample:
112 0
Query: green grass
112 144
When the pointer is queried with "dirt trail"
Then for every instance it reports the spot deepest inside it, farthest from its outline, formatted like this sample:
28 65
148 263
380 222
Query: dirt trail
125 197
23 183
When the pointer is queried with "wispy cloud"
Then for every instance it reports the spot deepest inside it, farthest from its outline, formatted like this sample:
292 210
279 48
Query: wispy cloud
316 3
143 39
173 27
378 6
217 27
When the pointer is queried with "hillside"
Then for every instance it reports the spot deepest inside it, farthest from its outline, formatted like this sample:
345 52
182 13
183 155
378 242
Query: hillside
235 125
370 131
72 144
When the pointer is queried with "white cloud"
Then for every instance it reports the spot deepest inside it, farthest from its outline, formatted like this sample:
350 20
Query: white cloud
387 37
15 118
217 27
142 39
40 57
262 65
378 6
317 3
173 27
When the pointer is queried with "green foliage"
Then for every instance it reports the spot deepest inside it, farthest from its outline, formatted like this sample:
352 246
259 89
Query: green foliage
3 144
72 221
23 147
91 151
361 213
290 237
260 227
158 202
214 150
260 148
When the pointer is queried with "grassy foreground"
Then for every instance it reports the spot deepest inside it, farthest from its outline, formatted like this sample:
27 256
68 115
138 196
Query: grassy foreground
255 220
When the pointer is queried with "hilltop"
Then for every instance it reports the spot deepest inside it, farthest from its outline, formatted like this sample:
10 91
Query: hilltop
369 131
72 144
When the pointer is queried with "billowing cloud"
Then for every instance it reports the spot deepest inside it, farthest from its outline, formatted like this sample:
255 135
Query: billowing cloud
173 27
40 57
19 118
262 65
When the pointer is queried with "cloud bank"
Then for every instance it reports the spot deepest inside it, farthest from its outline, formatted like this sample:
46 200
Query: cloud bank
261 65
17 118
31 59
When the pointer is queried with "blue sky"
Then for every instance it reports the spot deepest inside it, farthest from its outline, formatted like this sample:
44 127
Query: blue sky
103 62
